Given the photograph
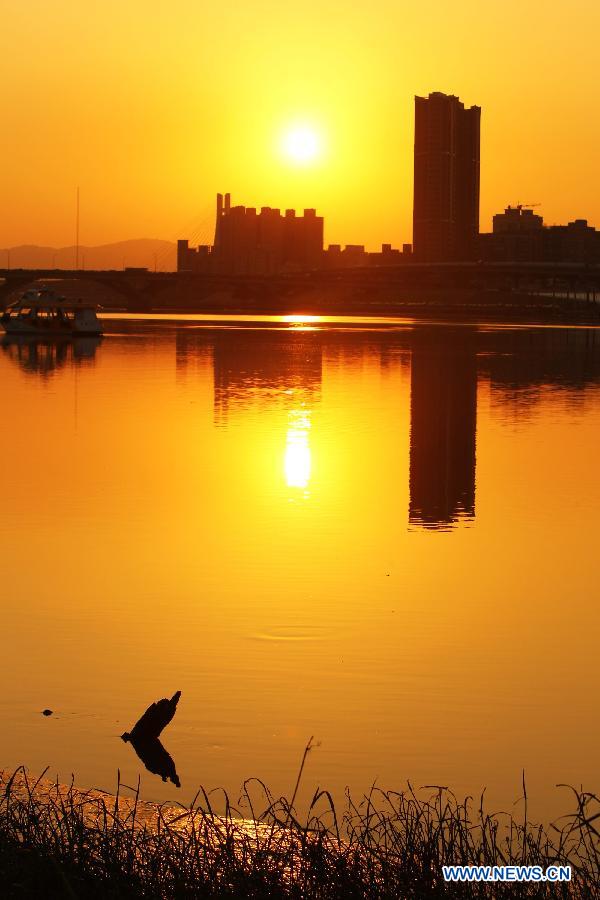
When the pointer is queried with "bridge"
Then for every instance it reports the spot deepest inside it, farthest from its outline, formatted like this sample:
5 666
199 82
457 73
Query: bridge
141 290
136 289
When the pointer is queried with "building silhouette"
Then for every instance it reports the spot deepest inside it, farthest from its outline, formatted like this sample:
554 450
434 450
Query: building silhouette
518 235
446 179
514 219
355 255
248 242
193 259
443 417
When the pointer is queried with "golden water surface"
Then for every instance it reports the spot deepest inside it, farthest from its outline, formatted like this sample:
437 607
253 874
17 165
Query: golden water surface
385 537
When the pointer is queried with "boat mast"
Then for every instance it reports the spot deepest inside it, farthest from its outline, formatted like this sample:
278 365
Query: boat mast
77 233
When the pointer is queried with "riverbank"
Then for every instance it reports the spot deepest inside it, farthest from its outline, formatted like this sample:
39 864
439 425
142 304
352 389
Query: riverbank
181 296
58 841
501 307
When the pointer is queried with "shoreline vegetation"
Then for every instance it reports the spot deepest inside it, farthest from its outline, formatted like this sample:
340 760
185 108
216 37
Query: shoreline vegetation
59 841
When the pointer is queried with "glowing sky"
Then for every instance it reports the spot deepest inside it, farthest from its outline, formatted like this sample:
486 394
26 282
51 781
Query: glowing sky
153 107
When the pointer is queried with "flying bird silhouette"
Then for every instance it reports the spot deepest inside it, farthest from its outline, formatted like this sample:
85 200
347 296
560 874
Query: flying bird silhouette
153 721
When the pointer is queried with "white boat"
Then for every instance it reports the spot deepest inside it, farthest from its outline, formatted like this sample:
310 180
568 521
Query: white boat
42 312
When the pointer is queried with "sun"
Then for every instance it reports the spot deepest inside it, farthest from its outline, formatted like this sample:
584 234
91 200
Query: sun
301 145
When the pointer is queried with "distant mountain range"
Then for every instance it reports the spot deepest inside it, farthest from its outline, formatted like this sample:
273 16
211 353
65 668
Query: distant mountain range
146 252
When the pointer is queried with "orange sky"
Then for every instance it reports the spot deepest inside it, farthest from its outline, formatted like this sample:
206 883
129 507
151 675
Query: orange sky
153 107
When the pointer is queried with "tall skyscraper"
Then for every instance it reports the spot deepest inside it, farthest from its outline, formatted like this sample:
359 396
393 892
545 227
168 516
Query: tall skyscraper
446 185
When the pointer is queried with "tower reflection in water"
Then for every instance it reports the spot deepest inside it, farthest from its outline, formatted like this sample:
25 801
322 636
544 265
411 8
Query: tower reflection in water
282 369
443 416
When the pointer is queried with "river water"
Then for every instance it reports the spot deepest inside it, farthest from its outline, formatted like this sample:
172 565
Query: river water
382 535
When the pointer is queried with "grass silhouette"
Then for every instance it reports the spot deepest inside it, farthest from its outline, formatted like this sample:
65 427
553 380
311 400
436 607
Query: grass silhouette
58 841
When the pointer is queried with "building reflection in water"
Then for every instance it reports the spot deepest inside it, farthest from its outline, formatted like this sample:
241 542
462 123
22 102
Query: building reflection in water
281 371
521 367
44 357
525 366
278 367
275 369
443 416
272 369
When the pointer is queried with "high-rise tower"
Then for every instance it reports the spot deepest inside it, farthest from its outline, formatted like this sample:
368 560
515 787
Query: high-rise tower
446 185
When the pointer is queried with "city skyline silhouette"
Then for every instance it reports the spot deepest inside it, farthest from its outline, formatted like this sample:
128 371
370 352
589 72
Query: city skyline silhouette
139 143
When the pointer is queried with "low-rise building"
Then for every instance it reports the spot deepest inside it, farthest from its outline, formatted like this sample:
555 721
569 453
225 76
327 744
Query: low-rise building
355 255
519 235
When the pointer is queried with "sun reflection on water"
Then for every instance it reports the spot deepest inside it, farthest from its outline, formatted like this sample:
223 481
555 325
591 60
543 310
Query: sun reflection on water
297 463
300 322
